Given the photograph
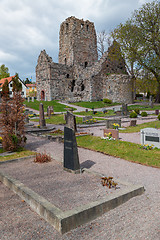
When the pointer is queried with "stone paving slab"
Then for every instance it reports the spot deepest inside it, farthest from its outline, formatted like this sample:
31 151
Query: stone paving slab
65 200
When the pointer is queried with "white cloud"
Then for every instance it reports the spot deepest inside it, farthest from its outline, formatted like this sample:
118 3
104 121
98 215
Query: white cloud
29 26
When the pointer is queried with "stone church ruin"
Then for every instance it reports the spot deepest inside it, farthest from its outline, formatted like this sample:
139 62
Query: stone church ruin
79 75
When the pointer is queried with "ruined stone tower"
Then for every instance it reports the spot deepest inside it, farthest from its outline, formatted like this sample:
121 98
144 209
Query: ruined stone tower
79 75
77 43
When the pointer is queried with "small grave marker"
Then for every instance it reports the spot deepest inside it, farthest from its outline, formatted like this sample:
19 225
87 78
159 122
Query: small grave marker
150 136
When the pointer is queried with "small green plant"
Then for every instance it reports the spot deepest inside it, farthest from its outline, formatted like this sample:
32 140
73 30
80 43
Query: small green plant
133 114
90 121
144 114
108 101
42 158
158 117
137 110
1 139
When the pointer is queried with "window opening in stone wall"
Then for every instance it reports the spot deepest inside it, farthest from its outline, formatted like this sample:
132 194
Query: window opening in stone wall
82 87
72 85
65 61
66 27
87 27
67 75
82 25
85 64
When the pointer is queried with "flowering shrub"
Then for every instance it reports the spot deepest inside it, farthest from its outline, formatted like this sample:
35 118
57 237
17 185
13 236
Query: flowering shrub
1 139
115 125
146 147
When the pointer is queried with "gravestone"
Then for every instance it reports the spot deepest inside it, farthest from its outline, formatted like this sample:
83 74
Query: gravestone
110 122
150 136
157 111
42 121
104 110
133 123
151 101
28 99
124 109
86 110
71 121
71 159
32 99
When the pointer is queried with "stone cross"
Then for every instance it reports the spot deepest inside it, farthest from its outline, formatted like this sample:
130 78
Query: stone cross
42 121
71 121
71 159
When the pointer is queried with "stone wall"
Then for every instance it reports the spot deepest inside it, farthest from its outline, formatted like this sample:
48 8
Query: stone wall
77 42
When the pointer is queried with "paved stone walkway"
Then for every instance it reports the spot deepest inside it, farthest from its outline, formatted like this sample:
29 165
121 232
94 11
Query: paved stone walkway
137 219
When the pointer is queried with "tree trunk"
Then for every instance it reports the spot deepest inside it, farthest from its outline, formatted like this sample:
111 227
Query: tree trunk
158 92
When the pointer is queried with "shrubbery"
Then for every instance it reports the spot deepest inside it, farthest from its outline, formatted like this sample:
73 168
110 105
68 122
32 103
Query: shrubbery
159 117
106 100
133 114
144 114
137 110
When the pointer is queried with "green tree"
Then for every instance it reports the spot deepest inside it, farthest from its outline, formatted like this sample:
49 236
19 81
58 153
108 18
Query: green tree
139 39
17 85
4 71
27 81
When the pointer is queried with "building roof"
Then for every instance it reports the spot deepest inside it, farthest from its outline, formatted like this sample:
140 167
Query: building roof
31 84
9 79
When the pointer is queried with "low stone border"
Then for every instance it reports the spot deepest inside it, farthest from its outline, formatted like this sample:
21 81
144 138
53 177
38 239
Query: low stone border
65 221
17 159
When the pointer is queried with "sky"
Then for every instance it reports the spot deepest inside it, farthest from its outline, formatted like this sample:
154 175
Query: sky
29 26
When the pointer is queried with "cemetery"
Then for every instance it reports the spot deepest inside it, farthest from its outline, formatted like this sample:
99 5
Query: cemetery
80 155
55 179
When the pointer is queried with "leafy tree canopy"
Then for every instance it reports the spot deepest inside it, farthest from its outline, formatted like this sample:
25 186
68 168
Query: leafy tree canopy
4 71
139 39
17 85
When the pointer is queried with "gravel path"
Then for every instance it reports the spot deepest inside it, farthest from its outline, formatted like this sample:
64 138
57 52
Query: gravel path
137 219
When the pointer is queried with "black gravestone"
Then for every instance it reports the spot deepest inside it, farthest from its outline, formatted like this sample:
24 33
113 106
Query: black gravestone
71 121
71 159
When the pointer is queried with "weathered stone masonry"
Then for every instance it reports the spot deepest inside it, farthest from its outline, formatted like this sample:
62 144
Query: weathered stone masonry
79 76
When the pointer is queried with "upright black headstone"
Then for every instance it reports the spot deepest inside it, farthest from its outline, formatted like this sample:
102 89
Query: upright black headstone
71 159
71 121
42 121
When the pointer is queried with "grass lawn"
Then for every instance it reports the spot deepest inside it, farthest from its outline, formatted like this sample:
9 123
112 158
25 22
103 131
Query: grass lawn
59 119
21 154
99 104
57 106
140 126
126 150
98 114
143 107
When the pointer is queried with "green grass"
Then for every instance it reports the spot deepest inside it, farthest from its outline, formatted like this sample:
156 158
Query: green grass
125 150
59 119
98 104
21 154
98 114
140 126
57 106
143 107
